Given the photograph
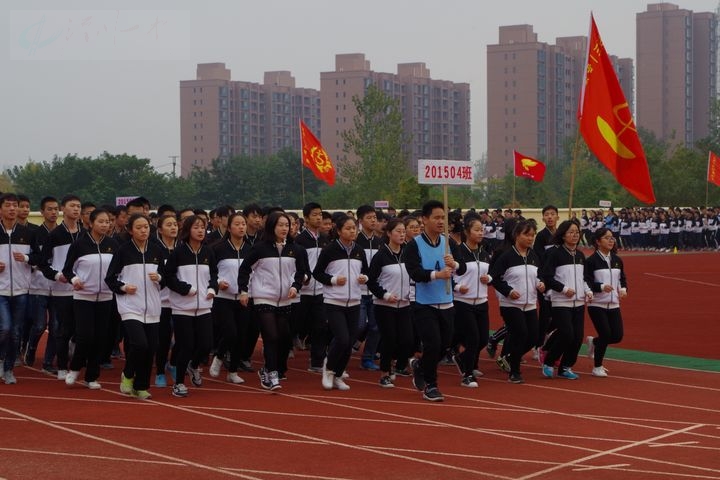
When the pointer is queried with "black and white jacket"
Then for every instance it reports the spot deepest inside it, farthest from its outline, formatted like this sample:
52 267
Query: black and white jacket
15 277
600 271
313 245
275 268
562 270
387 276
87 262
512 271
473 265
191 276
335 260
370 246
229 260
53 255
131 265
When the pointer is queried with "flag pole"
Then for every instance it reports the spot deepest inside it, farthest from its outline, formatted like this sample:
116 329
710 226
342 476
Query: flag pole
447 231
572 172
514 201
302 167
707 179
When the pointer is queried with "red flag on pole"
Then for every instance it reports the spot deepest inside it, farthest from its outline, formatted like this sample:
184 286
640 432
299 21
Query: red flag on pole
315 157
713 169
528 167
607 125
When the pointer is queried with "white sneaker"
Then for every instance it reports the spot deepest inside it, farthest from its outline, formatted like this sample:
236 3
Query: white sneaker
591 347
599 372
62 374
94 385
274 380
71 376
233 377
340 384
9 377
328 376
215 367
535 354
345 375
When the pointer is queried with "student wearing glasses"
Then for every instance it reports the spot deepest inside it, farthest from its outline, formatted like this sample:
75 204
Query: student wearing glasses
605 275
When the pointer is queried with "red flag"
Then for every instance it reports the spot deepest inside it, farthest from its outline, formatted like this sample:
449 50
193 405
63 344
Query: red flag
315 157
714 169
607 125
528 167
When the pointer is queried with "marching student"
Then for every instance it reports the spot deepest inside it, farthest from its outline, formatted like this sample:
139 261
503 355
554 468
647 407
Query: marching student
605 274
86 266
15 272
52 260
515 278
311 314
367 327
431 269
277 268
390 284
191 272
228 313
472 322
167 232
544 242
135 276
342 269
563 273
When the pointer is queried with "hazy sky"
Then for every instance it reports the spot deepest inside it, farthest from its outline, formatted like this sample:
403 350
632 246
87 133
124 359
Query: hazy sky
88 76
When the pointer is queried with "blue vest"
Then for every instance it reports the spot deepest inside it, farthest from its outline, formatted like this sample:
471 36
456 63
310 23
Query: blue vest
431 258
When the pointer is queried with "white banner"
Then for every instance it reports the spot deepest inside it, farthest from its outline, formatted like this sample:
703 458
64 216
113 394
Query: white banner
445 172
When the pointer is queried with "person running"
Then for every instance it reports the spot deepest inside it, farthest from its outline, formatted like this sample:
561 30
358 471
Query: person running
167 232
390 284
311 314
135 275
86 266
342 269
431 267
52 260
605 274
544 242
562 272
15 272
191 273
230 315
515 278
472 322
277 268
367 327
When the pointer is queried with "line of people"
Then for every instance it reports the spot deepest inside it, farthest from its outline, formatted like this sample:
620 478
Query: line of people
184 294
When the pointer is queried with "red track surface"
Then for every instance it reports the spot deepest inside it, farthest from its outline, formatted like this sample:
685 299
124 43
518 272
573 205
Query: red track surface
643 422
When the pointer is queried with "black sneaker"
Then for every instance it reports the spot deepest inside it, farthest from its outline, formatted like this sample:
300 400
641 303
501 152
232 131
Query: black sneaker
403 373
246 366
469 381
432 394
503 363
264 379
516 378
418 380
29 358
386 382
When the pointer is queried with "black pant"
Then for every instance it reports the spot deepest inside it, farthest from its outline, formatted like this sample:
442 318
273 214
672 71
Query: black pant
311 313
343 323
435 327
141 340
472 327
609 325
91 327
114 334
165 332
66 328
544 319
232 319
397 335
522 331
569 330
274 323
193 340
250 336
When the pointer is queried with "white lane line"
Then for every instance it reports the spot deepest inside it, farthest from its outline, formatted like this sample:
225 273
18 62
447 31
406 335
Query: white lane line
707 284
83 455
288 475
125 446
676 444
617 450
601 467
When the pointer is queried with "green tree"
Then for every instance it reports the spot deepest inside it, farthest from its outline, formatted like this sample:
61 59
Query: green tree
380 143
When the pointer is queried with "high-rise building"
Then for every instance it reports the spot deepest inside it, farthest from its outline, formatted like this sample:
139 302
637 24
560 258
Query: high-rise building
533 91
677 55
436 113
221 118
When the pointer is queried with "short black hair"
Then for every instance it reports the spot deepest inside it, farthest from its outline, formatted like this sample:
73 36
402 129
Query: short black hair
431 205
364 210
549 207
252 208
45 200
309 207
69 198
